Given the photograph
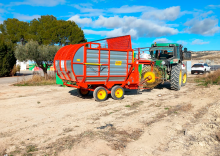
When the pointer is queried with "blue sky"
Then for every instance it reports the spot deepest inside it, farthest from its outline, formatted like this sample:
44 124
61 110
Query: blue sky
191 23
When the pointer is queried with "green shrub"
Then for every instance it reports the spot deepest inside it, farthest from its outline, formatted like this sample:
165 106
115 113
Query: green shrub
7 58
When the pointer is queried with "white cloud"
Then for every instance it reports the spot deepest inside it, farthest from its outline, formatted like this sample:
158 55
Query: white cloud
97 1
138 27
79 20
200 42
110 22
184 43
88 9
130 9
205 14
197 13
49 3
172 25
162 40
88 31
2 10
214 6
206 26
25 17
171 14
122 32
112 33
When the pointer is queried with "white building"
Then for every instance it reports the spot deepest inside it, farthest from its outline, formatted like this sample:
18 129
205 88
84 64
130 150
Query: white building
23 65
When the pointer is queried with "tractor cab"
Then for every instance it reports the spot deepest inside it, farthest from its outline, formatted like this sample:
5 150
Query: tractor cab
162 53
172 52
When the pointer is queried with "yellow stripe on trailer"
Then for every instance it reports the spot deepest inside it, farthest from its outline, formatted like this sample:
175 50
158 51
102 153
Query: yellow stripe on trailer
94 64
133 56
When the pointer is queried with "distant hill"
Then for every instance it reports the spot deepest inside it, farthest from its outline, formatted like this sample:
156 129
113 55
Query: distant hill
213 55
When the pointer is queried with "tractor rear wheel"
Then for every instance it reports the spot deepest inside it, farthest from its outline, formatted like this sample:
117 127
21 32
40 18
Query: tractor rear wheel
117 92
176 77
82 92
184 79
100 94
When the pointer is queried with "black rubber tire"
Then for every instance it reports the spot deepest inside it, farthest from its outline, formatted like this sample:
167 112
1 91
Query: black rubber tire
184 72
175 73
95 94
113 92
80 93
192 72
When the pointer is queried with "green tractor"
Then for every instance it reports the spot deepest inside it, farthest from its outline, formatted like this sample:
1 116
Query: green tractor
168 65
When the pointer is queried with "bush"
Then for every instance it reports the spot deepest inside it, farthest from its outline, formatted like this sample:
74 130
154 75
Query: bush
7 58
210 79
213 78
18 68
13 71
38 80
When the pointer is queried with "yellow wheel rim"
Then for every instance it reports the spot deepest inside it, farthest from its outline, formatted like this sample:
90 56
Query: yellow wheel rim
180 78
184 78
84 91
151 77
119 93
101 94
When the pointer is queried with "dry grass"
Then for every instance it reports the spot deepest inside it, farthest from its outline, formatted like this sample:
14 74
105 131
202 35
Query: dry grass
117 139
202 111
66 130
208 79
67 142
38 80
135 105
218 136
14 70
170 111
213 78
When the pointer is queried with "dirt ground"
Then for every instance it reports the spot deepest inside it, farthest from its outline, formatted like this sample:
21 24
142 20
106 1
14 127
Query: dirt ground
53 120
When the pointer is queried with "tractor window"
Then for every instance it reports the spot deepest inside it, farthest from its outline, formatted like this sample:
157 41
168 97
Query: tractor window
161 53
178 52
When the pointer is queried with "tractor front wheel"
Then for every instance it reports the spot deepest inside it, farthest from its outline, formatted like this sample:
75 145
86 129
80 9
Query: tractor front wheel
176 77
117 92
100 94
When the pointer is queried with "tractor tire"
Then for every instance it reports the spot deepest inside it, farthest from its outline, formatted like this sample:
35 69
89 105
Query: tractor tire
184 78
176 77
117 92
100 94
82 92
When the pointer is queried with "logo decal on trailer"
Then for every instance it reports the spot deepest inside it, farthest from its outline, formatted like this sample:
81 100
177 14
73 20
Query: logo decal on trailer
118 63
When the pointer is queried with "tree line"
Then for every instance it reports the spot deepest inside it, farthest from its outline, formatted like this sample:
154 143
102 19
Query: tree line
35 40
